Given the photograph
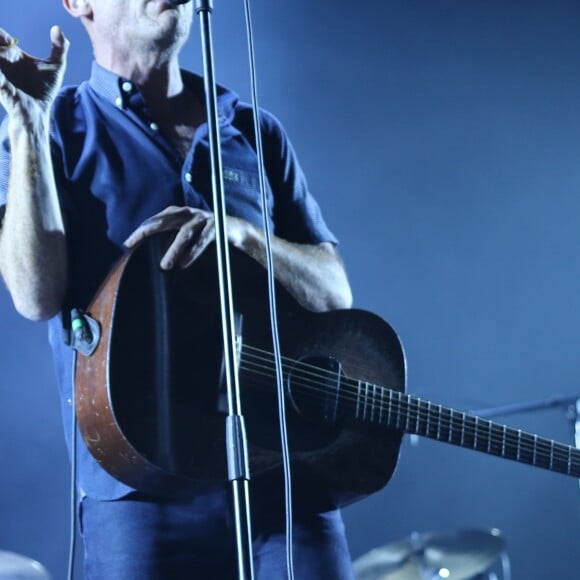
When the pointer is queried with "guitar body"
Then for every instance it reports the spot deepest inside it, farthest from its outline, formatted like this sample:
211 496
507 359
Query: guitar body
151 401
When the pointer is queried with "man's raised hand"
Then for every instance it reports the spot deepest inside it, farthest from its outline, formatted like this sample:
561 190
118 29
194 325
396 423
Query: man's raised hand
29 85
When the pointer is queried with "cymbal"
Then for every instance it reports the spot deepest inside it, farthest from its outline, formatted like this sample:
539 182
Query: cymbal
16 567
457 555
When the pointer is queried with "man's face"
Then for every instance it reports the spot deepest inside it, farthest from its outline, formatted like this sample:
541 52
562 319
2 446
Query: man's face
140 24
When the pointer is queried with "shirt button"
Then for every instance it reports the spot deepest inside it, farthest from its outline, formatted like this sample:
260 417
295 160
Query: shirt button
119 102
188 177
127 87
154 126
69 402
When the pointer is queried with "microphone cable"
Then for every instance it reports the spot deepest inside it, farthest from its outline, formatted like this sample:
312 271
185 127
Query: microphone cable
272 297
73 477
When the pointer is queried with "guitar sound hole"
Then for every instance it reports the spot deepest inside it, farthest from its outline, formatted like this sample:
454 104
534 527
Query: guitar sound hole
314 388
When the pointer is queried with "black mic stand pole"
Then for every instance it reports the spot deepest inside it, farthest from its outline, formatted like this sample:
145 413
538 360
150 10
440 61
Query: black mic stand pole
236 442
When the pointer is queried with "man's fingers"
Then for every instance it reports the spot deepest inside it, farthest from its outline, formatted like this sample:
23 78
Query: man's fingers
171 218
188 236
190 241
147 228
59 45
153 225
195 232
6 40
7 90
196 248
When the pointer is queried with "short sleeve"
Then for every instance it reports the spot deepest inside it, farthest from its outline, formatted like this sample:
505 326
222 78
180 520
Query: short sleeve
297 215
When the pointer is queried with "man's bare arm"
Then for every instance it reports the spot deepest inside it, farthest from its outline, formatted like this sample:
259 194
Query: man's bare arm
313 273
33 257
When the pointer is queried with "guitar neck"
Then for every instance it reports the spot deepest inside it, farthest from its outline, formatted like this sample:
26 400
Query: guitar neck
391 408
337 395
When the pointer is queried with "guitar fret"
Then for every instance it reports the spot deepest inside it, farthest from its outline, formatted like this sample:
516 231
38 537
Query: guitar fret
398 421
511 450
484 435
450 434
493 446
503 442
414 415
468 431
453 430
418 415
425 417
366 401
560 461
528 449
445 429
419 424
544 453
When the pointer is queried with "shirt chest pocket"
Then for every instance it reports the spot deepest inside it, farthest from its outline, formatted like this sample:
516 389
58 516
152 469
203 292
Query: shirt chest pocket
242 193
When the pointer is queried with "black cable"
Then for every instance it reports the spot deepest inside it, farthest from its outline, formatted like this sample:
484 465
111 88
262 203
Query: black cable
73 479
272 297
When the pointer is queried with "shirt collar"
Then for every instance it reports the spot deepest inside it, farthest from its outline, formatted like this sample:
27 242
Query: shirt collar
117 90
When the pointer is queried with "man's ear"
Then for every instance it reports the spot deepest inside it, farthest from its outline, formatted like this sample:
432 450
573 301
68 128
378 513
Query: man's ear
78 8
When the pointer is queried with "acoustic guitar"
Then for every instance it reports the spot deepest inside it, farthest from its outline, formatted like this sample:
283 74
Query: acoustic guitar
149 398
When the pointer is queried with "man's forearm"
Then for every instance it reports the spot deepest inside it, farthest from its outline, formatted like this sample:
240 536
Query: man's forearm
33 257
313 274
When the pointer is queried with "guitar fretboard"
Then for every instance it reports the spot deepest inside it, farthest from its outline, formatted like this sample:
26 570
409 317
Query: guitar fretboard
339 396
411 414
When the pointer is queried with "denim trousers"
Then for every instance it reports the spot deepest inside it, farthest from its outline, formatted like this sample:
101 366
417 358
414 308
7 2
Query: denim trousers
140 537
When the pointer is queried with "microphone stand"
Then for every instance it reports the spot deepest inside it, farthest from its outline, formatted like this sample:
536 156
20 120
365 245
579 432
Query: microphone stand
236 442
525 407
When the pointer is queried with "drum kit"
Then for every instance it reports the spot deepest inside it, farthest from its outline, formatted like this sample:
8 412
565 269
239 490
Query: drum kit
16 567
457 555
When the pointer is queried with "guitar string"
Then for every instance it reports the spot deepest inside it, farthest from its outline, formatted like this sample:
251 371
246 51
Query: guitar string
537 446
552 454
549 451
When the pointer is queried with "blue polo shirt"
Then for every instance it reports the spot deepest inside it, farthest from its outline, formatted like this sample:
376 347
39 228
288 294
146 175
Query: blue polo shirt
114 169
